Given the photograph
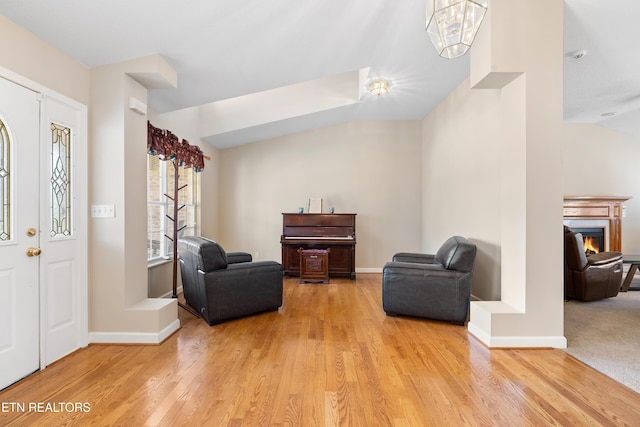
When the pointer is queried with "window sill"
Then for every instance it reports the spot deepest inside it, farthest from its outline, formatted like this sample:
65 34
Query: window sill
158 262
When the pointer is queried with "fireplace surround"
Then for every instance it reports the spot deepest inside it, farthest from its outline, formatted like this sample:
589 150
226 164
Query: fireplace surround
595 215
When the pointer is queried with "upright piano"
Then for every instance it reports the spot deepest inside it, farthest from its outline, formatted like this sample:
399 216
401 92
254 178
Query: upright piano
320 231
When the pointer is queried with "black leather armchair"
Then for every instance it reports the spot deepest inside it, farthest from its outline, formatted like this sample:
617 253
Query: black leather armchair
222 286
432 286
593 277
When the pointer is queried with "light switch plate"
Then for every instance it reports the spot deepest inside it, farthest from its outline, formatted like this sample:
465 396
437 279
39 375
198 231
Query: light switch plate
103 211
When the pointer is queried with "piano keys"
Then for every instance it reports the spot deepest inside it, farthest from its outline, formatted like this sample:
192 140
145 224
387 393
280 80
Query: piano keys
336 232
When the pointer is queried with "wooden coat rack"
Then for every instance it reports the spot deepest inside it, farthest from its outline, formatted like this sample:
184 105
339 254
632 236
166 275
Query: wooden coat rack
168 147
174 239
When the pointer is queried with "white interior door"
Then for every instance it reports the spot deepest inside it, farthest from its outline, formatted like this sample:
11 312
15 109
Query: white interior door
19 233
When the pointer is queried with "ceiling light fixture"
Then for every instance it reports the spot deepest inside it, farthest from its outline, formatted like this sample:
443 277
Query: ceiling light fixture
452 25
379 87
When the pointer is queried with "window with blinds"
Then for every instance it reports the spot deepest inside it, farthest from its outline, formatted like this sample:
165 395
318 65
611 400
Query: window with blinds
160 183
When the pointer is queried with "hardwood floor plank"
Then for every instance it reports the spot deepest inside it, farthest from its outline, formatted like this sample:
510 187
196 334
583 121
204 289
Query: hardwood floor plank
328 357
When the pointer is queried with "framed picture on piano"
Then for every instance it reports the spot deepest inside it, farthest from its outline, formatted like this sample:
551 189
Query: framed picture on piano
315 205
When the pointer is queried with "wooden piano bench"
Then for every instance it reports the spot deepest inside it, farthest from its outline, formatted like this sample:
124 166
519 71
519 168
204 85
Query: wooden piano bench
314 265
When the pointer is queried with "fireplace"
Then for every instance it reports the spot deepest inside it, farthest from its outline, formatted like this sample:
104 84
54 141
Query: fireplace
593 239
593 214
595 234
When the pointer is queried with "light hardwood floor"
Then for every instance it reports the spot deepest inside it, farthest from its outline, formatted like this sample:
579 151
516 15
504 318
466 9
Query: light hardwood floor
328 357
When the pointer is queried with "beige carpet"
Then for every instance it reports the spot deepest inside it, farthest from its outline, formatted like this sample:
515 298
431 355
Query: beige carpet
605 335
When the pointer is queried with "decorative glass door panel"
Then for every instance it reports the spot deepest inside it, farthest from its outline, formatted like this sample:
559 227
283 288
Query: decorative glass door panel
61 191
5 183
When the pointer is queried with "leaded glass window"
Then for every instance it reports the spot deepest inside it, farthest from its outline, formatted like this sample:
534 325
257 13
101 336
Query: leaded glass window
60 180
5 183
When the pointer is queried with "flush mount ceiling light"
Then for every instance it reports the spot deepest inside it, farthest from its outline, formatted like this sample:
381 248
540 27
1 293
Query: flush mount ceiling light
379 87
452 25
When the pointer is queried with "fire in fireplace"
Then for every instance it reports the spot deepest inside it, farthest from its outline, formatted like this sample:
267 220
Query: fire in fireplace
593 239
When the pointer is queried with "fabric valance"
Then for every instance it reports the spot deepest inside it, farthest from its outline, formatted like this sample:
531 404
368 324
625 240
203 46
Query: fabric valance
165 144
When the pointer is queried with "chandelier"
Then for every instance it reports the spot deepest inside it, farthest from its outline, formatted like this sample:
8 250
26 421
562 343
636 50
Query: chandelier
379 87
452 25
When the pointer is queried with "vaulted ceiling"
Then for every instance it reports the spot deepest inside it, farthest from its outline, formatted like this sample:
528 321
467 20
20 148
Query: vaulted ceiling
286 66
601 71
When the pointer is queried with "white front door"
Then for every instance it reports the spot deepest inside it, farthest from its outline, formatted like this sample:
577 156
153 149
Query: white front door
19 233
43 235
62 218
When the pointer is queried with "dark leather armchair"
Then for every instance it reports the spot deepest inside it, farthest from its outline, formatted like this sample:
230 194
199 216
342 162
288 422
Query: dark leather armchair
222 286
592 277
432 286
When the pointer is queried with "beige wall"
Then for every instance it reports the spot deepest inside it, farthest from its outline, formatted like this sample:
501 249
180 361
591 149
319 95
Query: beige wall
25 54
599 161
461 180
372 168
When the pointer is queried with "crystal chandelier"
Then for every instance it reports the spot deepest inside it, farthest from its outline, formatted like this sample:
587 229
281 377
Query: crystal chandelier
453 24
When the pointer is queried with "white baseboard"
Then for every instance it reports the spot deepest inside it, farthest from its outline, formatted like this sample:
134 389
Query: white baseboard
516 342
134 337
369 270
